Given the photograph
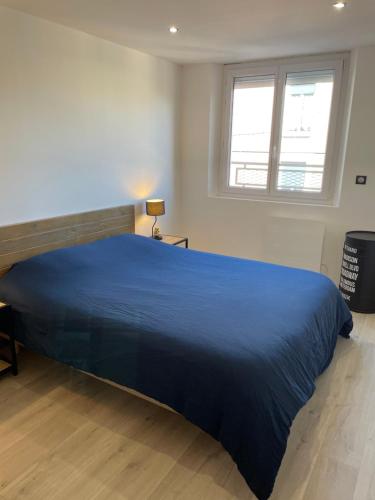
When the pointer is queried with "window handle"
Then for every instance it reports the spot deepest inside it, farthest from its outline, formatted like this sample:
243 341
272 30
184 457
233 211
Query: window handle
274 153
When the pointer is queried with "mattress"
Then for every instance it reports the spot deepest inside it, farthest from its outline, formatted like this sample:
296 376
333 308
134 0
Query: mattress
233 345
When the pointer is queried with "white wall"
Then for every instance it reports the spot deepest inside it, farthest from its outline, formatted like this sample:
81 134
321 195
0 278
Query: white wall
237 227
87 124
84 123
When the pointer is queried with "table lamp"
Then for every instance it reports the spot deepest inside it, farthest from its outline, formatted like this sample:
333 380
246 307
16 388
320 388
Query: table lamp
155 208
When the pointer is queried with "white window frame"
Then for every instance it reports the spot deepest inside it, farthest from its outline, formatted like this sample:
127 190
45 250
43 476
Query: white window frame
280 69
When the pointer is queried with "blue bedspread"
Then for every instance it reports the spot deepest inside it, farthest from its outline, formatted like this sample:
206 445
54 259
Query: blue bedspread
234 345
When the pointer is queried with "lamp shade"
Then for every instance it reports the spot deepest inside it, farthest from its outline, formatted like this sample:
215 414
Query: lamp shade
155 207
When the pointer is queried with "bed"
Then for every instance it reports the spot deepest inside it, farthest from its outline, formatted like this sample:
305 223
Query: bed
233 345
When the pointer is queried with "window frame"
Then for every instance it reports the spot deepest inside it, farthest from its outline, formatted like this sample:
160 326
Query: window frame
280 69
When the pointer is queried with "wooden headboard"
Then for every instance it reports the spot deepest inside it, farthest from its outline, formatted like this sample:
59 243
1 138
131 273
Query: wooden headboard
21 241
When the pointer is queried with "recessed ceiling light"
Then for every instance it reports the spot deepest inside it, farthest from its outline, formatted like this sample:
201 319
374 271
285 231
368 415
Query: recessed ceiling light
339 5
173 30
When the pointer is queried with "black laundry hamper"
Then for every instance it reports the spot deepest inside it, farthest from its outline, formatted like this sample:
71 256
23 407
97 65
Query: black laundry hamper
357 281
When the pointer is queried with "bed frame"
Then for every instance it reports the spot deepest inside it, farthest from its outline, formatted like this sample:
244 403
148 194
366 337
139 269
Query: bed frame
22 241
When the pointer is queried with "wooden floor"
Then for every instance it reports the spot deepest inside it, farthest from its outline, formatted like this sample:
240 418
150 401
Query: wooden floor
64 435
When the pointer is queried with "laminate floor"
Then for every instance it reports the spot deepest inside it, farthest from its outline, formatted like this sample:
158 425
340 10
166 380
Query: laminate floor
67 436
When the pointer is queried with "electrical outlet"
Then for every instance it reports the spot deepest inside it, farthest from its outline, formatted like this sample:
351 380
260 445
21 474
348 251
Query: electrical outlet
361 179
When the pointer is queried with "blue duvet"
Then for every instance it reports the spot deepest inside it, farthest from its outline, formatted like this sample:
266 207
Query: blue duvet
233 345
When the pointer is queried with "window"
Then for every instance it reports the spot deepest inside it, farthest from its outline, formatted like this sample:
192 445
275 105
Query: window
280 130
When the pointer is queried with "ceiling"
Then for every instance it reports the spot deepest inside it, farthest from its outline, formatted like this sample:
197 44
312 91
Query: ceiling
215 30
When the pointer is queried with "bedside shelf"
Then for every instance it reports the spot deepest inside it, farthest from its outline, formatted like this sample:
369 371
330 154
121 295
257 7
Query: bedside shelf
175 240
5 367
8 354
4 342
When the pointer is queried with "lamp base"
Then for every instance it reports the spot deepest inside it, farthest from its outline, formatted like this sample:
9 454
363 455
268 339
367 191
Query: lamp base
158 237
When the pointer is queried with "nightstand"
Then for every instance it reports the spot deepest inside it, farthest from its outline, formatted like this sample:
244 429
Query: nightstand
8 353
175 240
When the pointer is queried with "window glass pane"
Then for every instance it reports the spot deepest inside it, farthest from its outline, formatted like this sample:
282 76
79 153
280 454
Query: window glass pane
251 131
306 115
